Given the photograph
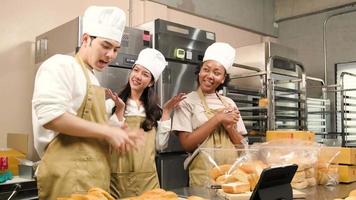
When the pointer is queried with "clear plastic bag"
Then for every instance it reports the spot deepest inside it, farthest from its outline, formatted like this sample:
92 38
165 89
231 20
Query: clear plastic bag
232 165
293 151
327 170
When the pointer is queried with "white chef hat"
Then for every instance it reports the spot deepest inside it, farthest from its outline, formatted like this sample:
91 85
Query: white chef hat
153 60
222 53
103 21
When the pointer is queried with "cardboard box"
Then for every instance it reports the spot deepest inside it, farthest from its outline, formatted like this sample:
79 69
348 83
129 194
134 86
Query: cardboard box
13 157
347 174
18 141
347 156
302 135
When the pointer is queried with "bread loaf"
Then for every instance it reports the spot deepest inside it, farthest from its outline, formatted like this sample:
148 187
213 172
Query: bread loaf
218 171
236 187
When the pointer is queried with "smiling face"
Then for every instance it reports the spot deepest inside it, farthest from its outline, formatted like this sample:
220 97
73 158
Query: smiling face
140 78
211 75
100 51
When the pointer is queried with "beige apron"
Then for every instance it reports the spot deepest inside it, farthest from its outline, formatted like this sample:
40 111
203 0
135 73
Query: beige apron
198 170
135 171
76 164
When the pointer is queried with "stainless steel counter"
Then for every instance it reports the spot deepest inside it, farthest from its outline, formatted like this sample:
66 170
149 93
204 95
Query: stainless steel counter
313 193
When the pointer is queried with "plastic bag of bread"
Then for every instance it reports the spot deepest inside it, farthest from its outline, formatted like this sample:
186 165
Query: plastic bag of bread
235 170
293 151
327 170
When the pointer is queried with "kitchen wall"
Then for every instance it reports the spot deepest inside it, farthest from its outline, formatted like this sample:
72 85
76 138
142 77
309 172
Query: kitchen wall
22 21
306 35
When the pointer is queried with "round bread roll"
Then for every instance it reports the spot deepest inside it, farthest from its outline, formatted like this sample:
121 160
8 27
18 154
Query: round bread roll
240 175
195 198
82 197
300 185
253 179
323 178
311 181
353 193
225 179
219 170
299 177
97 190
310 172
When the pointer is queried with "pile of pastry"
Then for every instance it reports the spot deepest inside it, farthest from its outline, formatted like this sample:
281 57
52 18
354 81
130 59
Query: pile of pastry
240 179
93 194
304 177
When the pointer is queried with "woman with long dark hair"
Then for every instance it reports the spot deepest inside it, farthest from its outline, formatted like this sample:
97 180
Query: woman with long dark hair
137 106
206 118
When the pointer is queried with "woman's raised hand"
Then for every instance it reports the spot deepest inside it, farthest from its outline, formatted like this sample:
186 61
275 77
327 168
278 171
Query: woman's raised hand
171 104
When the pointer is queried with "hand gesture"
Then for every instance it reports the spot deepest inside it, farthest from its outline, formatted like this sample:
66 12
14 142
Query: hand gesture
228 117
123 141
171 104
119 103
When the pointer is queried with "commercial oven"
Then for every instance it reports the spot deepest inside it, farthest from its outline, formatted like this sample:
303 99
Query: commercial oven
183 47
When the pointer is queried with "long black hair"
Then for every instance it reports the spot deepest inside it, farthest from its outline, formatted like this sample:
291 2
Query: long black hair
150 103
220 87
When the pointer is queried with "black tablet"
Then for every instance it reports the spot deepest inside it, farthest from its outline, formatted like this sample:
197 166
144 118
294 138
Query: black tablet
274 183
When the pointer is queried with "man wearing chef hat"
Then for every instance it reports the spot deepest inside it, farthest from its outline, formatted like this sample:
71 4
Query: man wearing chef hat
69 113
206 118
137 106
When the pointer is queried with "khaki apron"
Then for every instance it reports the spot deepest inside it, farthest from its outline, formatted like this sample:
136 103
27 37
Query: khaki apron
135 171
76 164
198 170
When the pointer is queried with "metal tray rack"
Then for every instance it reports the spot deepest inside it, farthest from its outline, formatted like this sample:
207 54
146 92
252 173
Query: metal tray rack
318 107
346 109
286 93
247 100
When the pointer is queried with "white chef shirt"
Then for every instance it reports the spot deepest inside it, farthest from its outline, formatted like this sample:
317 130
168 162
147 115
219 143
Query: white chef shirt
132 109
190 113
60 86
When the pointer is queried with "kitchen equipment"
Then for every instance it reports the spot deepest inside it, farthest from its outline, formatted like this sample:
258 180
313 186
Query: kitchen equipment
183 47
345 91
275 88
318 106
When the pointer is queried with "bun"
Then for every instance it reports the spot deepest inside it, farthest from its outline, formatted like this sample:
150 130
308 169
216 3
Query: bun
219 170
253 179
195 198
226 179
311 181
309 173
236 187
100 193
250 167
240 175
299 176
300 185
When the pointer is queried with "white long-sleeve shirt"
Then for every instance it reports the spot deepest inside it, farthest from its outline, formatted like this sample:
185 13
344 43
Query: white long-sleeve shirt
60 86
132 109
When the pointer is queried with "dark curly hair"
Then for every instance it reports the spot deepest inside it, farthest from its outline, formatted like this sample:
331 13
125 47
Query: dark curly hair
150 103
220 87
